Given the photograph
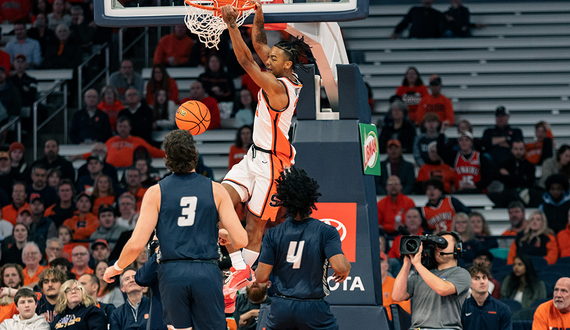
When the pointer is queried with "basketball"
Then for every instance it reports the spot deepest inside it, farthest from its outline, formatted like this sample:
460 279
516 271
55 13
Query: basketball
193 116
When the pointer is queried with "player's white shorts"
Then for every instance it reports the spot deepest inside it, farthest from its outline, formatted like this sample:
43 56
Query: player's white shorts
254 180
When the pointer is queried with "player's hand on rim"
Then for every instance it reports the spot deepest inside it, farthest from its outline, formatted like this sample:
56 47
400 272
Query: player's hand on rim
229 14
257 4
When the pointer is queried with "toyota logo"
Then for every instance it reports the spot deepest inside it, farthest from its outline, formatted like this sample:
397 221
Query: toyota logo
338 225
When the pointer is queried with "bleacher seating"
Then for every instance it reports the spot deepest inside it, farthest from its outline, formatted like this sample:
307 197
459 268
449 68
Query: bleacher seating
47 78
521 60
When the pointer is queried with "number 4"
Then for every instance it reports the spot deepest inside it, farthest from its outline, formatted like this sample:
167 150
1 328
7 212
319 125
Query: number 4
189 210
295 258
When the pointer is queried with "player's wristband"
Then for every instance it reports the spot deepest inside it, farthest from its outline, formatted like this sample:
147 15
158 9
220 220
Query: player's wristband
116 266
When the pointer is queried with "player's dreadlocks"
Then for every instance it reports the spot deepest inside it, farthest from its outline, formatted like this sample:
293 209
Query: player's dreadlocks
297 192
297 52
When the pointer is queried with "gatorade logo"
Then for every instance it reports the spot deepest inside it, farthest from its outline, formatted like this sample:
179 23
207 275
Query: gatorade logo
370 150
342 216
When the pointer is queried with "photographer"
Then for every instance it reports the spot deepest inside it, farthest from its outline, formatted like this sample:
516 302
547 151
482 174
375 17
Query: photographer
439 292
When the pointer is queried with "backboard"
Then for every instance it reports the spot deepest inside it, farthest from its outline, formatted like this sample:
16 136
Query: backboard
115 13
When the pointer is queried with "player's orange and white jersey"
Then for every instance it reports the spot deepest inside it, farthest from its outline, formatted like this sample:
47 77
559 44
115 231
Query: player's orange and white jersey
271 126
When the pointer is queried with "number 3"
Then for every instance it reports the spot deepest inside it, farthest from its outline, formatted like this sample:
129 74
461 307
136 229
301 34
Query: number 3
189 210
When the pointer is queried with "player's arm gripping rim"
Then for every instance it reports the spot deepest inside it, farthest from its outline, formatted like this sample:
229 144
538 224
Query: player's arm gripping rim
266 80
339 264
259 38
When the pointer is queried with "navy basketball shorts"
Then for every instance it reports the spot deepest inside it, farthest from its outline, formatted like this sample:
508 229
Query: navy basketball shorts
288 313
192 295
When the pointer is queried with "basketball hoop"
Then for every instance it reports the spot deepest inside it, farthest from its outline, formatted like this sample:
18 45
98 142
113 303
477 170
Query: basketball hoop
204 18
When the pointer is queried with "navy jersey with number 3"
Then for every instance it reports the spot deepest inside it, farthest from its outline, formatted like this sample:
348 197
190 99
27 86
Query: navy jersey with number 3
299 253
188 221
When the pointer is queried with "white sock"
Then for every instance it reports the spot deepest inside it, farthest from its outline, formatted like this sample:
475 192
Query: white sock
249 256
237 260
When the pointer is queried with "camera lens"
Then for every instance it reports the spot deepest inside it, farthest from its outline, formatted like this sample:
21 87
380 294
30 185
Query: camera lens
411 245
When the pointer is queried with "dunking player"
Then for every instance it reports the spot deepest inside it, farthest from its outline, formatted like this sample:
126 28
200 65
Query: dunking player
298 253
253 179
185 208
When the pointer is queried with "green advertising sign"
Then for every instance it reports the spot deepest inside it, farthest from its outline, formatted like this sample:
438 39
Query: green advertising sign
370 150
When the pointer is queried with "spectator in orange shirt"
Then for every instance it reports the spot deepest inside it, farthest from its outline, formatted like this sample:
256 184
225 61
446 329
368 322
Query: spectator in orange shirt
563 238
19 196
542 149
413 224
435 169
174 49
31 256
387 286
120 149
392 208
134 186
84 223
536 240
436 103
554 314
110 105
243 142
412 91
80 260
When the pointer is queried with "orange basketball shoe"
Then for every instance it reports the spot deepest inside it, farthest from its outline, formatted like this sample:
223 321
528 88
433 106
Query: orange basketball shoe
238 279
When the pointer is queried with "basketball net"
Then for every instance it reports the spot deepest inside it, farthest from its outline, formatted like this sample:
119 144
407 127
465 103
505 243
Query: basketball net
204 18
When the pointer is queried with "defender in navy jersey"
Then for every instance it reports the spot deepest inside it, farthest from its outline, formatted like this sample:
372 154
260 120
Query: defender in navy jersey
185 208
298 253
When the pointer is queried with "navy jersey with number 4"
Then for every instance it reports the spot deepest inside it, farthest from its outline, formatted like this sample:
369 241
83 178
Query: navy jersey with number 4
188 221
299 253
